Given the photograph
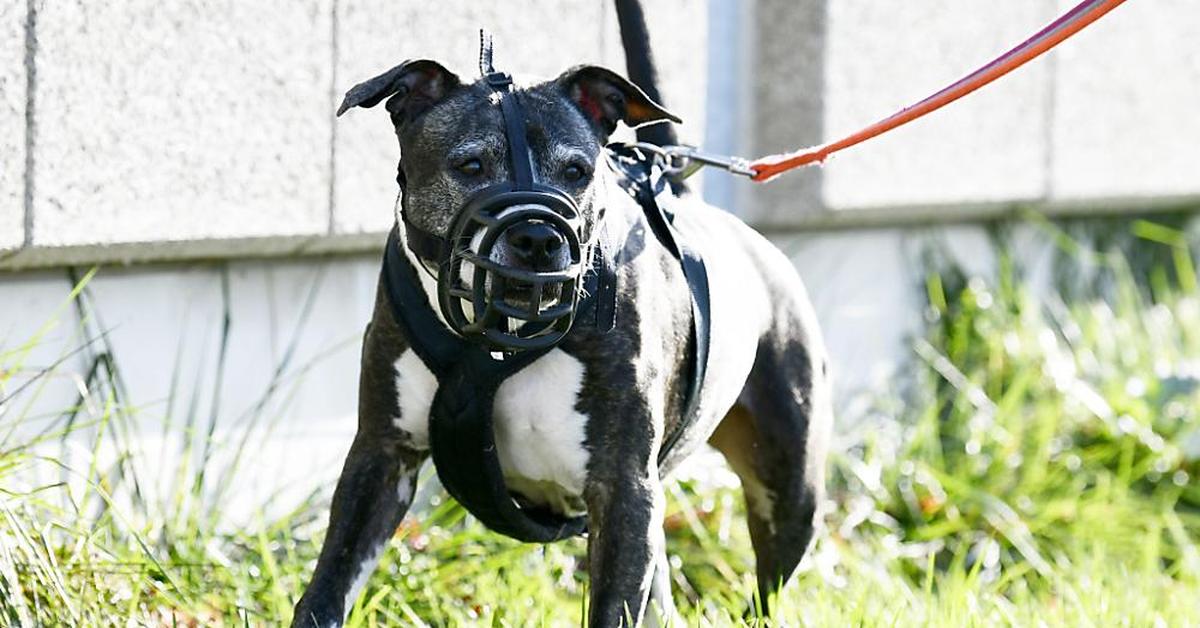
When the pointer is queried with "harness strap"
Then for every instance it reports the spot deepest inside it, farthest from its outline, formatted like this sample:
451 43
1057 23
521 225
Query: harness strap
461 432
465 447
649 186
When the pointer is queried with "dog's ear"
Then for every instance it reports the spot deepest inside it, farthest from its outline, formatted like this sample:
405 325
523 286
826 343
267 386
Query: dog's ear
413 87
606 97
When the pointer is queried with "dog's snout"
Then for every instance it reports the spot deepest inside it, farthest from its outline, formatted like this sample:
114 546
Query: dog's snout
535 244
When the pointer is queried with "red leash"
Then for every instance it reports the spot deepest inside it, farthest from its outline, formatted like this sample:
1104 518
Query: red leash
1070 23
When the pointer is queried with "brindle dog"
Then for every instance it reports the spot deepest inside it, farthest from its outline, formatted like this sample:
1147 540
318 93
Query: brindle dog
579 430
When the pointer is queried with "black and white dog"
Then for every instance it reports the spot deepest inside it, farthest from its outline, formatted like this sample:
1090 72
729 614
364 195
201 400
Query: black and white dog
579 430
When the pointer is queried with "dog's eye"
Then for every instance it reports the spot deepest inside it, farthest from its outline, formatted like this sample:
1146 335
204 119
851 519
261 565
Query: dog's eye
471 167
574 173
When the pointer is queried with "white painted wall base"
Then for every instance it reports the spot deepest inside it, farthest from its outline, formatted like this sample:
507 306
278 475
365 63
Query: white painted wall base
165 325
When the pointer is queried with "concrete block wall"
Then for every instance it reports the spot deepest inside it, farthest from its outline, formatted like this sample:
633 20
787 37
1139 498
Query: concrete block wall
180 121
991 145
206 129
536 39
12 125
1125 98
1103 122
192 129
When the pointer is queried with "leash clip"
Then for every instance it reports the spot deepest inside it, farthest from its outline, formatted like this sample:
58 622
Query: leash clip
684 161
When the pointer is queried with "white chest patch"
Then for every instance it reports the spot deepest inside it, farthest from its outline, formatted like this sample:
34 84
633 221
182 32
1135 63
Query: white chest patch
415 385
539 433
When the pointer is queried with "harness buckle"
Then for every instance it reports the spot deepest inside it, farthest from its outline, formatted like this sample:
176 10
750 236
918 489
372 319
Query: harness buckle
499 81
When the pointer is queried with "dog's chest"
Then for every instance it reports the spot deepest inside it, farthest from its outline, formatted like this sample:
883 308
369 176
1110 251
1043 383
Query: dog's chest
539 432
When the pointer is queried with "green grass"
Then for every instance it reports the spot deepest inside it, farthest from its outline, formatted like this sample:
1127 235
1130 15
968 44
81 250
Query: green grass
1038 467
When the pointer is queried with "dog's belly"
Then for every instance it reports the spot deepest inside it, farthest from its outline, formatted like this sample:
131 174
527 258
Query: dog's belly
539 433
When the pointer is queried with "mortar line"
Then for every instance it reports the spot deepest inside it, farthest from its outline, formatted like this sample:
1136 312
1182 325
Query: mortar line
30 118
1048 118
333 131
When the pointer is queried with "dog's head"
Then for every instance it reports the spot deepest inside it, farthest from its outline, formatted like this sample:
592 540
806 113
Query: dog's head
453 142
456 150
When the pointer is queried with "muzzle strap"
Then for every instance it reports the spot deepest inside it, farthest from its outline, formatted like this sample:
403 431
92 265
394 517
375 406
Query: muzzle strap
510 108
514 129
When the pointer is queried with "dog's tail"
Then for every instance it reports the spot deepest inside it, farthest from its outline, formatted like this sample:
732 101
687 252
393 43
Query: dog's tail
639 63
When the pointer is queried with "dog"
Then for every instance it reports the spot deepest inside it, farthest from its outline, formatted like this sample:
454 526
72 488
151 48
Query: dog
579 430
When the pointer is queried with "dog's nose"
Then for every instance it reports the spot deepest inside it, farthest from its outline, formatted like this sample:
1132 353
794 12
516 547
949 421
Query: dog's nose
535 244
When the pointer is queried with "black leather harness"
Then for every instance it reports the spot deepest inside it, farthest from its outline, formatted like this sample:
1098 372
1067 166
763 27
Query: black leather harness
462 436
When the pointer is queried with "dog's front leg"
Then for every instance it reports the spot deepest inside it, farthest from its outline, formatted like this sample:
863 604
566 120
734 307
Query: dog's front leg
624 540
372 495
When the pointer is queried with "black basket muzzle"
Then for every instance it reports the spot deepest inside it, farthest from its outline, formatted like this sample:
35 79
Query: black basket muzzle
478 295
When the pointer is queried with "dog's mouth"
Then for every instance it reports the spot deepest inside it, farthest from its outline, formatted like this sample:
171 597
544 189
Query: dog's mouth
522 295
519 294
512 273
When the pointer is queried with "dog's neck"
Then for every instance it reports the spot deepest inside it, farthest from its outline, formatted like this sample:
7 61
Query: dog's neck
428 281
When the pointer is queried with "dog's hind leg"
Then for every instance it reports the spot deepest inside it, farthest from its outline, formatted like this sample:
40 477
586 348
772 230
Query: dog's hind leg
774 439
374 492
